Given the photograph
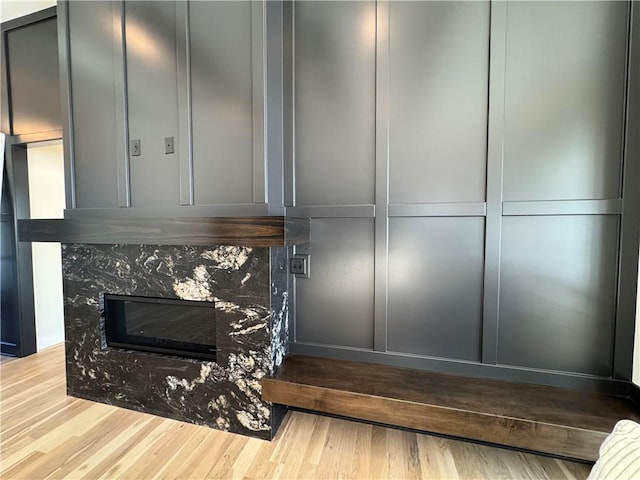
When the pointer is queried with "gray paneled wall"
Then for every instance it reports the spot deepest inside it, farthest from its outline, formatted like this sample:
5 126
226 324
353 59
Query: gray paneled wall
32 79
461 162
152 101
435 286
191 71
557 295
341 285
485 143
438 100
95 149
335 83
222 110
564 100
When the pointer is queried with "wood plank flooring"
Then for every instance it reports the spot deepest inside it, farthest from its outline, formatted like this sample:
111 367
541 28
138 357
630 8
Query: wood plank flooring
45 434
545 419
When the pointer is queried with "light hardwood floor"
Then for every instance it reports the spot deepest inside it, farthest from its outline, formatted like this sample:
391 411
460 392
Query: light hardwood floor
45 434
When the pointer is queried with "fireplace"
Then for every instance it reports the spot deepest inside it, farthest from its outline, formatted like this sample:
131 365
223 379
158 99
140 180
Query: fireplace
160 325
197 313
234 299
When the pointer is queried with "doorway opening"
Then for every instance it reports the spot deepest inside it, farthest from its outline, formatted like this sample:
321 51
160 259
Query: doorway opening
45 164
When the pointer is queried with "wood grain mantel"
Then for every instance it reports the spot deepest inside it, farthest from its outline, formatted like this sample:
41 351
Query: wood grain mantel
245 231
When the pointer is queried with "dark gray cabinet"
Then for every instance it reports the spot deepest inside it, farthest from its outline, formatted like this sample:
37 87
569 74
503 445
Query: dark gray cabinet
30 101
223 110
97 141
151 43
189 73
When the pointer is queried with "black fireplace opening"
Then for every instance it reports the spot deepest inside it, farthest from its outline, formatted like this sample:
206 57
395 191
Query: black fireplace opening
173 327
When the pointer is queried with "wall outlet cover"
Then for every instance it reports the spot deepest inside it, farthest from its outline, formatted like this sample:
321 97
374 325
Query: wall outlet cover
299 266
136 149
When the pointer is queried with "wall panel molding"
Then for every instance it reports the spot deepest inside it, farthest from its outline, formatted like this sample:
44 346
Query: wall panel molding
470 209
381 272
495 165
564 207
66 103
626 325
333 211
259 72
123 162
185 131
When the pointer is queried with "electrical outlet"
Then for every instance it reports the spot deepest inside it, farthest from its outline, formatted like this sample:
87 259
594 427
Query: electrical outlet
136 150
299 266
168 145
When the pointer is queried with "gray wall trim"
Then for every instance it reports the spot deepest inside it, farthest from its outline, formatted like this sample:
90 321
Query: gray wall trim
258 54
66 105
246 209
471 209
288 83
277 210
333 211
274 103
630 223
459 367
18 177
291 285
122 129
185 152
381 273
564 207
495 152
5 80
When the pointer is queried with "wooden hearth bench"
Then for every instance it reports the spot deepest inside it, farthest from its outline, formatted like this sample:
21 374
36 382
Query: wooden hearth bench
552 420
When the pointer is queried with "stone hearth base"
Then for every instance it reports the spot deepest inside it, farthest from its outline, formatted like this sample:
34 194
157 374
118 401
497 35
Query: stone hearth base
249 289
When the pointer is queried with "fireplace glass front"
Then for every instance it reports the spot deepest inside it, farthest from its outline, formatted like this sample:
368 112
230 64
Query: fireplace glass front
174 327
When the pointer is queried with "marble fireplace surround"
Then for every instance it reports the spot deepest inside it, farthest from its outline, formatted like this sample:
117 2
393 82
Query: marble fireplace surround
246 280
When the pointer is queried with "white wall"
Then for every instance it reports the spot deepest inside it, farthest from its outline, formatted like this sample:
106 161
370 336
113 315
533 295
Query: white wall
10 9
47 200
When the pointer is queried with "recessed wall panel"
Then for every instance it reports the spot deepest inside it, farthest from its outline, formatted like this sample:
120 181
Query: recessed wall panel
91 26
335 305
439 68
334 102
221 82
32 55
557 292
152 100
435 286
564 99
